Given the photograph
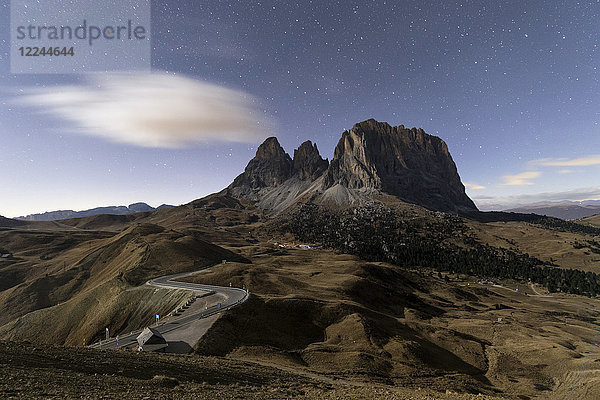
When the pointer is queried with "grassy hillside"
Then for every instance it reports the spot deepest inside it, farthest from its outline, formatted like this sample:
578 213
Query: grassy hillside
321 312
80 281
594 220
336 315
555 247
86 315
333 313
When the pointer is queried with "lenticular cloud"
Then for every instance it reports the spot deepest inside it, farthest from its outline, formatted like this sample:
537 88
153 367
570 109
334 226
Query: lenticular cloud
154 110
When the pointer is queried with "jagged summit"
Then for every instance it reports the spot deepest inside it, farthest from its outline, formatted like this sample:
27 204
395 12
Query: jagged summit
270 149
270 167
307 162
371 158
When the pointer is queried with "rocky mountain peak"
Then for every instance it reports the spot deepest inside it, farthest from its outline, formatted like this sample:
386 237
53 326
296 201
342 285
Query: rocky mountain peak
270 149
406 163
308 163
270 167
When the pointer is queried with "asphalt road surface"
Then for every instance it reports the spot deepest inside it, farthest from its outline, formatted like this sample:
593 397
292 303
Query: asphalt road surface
228 297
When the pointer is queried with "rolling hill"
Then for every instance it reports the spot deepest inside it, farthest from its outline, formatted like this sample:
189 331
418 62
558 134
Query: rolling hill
68 286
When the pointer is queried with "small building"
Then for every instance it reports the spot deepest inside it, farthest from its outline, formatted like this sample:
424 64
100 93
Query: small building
151 340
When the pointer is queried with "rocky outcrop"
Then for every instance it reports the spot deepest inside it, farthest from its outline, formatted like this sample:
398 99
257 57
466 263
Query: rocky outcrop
270 167
308 163
371 158
406 163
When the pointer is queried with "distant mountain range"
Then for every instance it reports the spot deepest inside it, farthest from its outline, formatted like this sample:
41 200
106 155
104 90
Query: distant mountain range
565 210
114 210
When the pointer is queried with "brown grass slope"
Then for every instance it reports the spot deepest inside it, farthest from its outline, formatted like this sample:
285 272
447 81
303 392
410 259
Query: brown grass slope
77 279
593 220
220 218
313 311
335 315
559 248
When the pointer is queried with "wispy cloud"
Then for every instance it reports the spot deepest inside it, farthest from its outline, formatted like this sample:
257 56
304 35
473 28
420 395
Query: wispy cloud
522 179
485 202
473 186
566 162
154 110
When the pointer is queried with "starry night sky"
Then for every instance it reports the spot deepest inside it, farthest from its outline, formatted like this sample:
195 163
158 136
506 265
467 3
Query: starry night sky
512 87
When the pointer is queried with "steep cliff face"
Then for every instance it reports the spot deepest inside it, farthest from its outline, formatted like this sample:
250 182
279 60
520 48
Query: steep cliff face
371 158
307 163
270 167
406 163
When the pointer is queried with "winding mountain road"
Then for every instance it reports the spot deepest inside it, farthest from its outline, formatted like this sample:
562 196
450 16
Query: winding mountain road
217 299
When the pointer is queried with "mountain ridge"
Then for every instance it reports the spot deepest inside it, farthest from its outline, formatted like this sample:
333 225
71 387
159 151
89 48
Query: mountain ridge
59 215
567 211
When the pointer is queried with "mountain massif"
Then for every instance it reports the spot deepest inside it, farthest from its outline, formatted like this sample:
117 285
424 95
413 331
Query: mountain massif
371 159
